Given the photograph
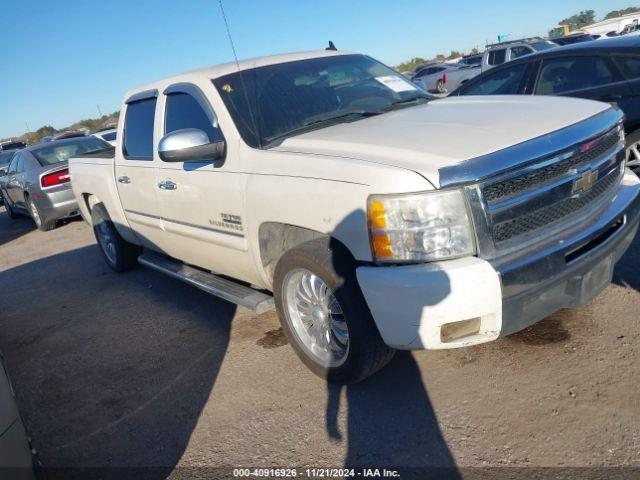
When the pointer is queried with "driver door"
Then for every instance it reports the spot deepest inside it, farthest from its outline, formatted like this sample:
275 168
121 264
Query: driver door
201 202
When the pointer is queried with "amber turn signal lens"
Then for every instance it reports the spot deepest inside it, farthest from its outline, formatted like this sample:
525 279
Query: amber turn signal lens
377 216
381 246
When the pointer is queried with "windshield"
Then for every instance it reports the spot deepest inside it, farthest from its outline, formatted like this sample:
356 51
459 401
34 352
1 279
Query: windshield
61 151
276 101
5 158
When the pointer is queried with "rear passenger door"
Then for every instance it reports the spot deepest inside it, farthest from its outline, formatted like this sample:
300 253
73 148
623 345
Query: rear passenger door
135 169
203 208
11 182
584 76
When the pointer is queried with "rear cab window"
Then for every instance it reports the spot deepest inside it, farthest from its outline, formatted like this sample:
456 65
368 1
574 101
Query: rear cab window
138 129
497 57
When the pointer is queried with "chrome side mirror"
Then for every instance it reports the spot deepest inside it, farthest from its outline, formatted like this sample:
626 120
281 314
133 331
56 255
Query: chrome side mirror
189 144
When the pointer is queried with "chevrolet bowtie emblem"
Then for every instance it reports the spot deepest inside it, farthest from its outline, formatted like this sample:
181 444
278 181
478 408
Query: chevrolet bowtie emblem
585 182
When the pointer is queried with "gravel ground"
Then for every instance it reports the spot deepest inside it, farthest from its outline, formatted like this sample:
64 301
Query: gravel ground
138 369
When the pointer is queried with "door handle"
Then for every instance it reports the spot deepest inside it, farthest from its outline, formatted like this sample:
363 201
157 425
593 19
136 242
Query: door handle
167 185
124 179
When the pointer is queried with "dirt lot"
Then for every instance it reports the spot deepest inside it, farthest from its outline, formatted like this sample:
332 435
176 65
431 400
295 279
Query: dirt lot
139 370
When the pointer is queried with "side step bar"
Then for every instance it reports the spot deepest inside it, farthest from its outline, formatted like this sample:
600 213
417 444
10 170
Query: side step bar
229 290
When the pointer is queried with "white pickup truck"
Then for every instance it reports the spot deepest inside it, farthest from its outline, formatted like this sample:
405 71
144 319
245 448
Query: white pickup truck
369 215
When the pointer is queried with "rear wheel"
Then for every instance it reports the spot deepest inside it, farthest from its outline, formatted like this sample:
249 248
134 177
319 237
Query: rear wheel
324 314
41 222
119 254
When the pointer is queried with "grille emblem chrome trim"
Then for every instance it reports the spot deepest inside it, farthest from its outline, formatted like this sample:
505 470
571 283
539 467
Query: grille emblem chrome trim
585 182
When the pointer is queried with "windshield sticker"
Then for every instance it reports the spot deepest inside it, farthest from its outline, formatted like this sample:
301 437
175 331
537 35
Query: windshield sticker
396 84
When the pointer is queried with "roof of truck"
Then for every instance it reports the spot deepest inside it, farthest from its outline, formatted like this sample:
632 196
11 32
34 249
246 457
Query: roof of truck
216 71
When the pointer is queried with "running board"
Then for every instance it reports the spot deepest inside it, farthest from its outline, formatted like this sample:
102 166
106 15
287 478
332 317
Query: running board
229 290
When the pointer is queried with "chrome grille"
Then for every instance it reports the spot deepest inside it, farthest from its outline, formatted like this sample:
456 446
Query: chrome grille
535 198
548 215
533 179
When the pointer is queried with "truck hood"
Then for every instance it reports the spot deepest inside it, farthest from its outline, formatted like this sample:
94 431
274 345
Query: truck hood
444 132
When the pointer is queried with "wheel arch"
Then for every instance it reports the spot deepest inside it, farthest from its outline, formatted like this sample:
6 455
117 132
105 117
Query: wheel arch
276 238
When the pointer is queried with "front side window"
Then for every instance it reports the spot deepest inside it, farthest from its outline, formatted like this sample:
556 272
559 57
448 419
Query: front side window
517 52
503 82
275 101
561 75
184 111
496 57
62 150
138 129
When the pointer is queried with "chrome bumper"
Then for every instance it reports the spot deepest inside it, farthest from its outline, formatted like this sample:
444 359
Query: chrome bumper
574 272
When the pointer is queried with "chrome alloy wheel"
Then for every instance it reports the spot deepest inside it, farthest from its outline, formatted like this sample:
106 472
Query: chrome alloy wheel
633 155
316 317
107 242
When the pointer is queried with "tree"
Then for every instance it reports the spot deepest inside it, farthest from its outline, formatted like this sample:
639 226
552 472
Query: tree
474 51
574 22
619 13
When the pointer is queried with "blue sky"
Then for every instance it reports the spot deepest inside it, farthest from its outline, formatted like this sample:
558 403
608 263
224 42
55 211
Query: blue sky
60 58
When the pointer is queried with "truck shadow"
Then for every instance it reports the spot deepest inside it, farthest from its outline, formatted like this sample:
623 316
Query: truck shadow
109 369
11 229
626 270
391 421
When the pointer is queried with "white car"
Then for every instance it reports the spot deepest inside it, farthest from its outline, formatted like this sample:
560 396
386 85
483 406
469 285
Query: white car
445 77
108 135
371 217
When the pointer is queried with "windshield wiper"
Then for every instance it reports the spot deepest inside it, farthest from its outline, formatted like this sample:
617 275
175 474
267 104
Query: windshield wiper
406 101
323 119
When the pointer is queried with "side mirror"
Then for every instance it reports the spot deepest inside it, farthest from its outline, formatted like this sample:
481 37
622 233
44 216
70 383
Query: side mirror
189 144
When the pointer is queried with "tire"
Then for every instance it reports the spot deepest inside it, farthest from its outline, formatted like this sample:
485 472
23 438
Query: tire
41 222
440 87
632 150
119 254
365 351
10 211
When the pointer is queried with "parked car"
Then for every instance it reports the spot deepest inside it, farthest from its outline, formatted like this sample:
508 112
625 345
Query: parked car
37 180
606 70
17 457
574 38
68 134
445 77
5 159
46 138
503 52
379 218
108 135
12 145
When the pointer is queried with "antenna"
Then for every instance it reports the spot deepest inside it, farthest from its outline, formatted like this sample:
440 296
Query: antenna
331 46
244 88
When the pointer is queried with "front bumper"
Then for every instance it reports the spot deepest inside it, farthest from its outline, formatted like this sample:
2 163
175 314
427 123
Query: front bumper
411 304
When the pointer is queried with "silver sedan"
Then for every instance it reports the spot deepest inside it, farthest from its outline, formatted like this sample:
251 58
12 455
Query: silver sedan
37 181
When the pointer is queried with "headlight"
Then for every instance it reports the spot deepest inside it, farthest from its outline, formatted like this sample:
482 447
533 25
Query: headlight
420 227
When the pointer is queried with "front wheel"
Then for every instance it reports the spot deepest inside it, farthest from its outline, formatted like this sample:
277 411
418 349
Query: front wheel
10 211
119 254
324 314
633 150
